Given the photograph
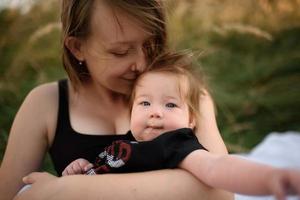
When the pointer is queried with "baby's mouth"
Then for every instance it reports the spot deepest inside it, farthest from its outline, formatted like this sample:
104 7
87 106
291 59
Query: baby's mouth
156 124
156 127
154 130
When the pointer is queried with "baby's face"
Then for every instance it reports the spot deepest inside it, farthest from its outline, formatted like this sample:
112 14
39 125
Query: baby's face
159 106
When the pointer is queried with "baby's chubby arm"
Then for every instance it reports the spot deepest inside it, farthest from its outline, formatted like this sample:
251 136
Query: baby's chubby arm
241 176
78 166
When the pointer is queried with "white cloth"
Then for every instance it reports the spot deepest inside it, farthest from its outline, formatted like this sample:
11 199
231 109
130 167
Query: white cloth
25 187
278 150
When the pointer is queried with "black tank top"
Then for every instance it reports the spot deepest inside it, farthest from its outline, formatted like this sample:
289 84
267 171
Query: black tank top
68 145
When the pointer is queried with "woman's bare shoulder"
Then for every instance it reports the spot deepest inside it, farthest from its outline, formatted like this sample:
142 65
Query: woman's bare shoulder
42 104
47 92
41 100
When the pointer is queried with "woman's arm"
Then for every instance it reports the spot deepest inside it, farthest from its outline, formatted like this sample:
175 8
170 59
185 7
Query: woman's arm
27 142
207 131
160 185
241 176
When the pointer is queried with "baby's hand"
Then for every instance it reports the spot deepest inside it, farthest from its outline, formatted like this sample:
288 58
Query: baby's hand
285 182
79 166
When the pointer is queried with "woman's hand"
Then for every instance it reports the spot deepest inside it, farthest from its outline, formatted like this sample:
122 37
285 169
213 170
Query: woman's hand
38 177
39 182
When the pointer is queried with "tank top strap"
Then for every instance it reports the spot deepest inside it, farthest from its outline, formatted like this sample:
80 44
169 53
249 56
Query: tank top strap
63 119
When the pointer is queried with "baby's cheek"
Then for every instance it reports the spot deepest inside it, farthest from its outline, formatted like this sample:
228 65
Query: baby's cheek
178 121
136 127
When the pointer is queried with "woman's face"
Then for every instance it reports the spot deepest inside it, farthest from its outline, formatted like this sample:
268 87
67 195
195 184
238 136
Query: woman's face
114 51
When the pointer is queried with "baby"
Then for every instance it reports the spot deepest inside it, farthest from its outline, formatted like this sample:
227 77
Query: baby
164 116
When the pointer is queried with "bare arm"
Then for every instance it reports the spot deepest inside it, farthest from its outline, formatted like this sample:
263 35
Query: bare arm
160 185
27 143
207 131
209 136
239 175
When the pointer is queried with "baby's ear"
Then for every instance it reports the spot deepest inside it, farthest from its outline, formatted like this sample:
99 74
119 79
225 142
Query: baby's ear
192 122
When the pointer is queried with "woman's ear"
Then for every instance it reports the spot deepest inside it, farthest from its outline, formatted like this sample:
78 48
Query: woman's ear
75 46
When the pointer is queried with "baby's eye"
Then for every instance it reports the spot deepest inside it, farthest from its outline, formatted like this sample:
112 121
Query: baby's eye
171 105
145 103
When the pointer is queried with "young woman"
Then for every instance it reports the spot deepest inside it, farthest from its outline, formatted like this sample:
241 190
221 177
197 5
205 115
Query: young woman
107 44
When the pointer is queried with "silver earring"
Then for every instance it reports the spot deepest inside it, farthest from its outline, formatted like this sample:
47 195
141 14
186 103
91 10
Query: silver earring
80 62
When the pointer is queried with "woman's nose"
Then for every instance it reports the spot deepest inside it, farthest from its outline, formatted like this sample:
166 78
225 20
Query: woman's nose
140 62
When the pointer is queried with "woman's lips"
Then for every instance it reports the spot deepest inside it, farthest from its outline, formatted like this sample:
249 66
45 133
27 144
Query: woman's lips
130 77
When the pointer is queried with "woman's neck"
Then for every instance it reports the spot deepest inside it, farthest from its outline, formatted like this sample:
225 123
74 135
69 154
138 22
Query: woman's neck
97 94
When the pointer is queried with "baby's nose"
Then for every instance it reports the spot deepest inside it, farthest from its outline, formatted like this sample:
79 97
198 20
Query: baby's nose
156 113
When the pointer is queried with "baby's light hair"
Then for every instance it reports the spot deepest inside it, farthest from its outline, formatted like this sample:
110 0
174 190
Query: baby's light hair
181 65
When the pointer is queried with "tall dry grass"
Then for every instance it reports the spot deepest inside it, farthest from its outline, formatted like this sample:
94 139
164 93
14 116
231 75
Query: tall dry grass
250 50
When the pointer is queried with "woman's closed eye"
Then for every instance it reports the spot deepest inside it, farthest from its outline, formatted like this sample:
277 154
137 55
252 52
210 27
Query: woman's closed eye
120 53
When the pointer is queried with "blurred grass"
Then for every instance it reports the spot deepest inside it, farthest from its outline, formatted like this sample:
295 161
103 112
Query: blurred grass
30 54
250 51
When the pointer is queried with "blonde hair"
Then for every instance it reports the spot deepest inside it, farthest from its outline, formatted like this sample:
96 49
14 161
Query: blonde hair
181 65
76 18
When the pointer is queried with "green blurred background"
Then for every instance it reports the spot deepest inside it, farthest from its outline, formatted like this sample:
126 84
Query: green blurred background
250 51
